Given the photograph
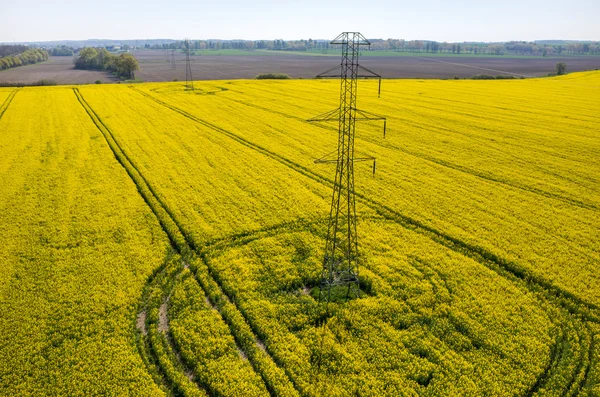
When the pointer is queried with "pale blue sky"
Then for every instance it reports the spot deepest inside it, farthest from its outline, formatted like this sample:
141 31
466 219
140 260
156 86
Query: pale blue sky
458 20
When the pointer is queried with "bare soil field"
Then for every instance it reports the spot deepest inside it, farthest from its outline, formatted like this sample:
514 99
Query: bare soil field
154 66
59 69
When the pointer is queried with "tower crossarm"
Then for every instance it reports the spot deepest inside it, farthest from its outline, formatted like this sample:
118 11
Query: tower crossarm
327 116
354 38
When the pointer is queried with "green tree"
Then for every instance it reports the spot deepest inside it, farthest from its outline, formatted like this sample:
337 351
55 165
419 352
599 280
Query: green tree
104 59
127 65
561 68
88 59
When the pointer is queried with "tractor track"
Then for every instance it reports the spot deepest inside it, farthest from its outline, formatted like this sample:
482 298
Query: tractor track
7 102
556 352
179 238
149 346
584 365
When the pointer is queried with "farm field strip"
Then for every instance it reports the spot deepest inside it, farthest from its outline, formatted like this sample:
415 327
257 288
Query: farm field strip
433 100
189 153
274 378
446 129
577 218
559 362
463 169
78 244
435 92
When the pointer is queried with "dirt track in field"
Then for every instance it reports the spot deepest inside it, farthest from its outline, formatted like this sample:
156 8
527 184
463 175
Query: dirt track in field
155 67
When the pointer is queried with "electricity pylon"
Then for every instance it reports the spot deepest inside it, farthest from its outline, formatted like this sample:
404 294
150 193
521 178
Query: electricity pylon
341 261
173 59
189 81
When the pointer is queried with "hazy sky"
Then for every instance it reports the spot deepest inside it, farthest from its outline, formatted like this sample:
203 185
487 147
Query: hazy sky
457 20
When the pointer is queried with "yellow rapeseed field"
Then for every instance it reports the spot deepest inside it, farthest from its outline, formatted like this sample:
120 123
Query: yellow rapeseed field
164 241
78 244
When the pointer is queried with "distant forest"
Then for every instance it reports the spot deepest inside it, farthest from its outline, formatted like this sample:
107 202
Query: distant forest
542 48
422 46
18 55
62 51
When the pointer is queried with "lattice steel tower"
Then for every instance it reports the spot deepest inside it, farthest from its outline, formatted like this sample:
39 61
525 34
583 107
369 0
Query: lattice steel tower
189 81
341 261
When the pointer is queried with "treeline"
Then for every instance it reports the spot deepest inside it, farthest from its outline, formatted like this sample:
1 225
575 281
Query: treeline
435 47
6 50
42 82
124 65
399 45
297 45
322 45
27 56
518 48
62 51
525 48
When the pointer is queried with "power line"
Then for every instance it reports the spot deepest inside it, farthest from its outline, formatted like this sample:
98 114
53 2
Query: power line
189 81
341 262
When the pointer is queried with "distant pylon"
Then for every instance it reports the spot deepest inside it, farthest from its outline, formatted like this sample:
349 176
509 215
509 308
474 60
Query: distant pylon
189 81
341 261
173 59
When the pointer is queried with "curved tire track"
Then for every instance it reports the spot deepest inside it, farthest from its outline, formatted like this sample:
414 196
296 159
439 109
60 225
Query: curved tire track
155 341
7 102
